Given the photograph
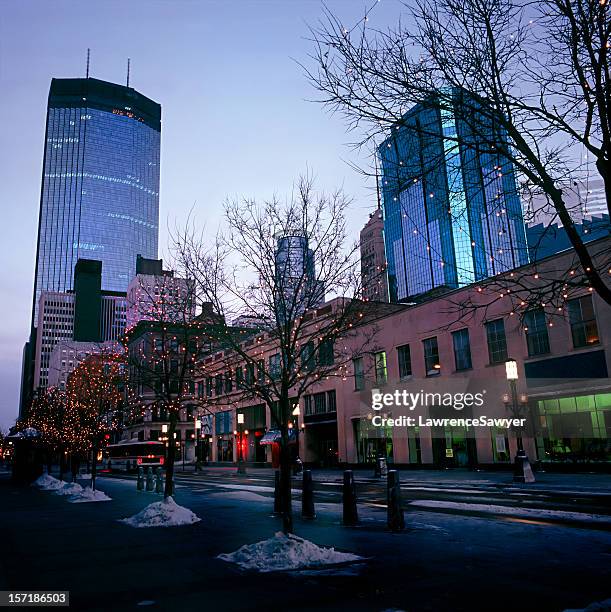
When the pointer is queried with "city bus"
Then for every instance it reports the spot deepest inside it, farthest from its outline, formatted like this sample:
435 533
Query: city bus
131 454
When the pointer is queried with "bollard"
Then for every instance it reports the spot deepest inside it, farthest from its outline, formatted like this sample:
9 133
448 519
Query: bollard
150 484
307 496
277 500
351 516
140 483
396 520
159 481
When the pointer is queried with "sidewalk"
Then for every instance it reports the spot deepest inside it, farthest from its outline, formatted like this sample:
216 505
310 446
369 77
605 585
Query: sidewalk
432 565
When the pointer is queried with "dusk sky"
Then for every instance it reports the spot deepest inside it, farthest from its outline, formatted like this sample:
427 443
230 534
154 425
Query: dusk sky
236 119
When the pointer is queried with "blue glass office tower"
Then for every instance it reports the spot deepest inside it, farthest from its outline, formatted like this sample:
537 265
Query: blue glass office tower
100 183
99 198
452 214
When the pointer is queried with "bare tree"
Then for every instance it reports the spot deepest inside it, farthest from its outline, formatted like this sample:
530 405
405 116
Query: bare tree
164 342
533 87
274 263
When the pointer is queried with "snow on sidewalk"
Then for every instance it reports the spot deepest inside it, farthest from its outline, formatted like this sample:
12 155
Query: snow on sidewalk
286 552
165 513
48 483
89 495
533 513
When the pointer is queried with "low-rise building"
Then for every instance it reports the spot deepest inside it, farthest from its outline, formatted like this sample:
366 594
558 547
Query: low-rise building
449 355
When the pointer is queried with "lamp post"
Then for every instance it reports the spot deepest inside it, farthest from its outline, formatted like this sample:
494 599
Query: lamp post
522 471
198 426
240 438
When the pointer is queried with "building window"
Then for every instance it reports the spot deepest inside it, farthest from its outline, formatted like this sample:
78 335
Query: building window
320 403
200 389
274 366
239 377
535 329
261 371
583 322
431 357
359 374
497 343
250 373
405 361
462 349
228 382
209 386
325 353
218 384
381 368
307 356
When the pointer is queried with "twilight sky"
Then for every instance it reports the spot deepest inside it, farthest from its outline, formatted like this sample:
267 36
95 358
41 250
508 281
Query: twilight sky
235 115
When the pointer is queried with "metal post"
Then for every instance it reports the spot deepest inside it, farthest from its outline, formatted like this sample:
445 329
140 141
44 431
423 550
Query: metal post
350 514
307 496
395 518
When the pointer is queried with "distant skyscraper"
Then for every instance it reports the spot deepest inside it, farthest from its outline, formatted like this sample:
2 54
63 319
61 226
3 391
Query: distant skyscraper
99 197
296 276
452 214
100 183
373 260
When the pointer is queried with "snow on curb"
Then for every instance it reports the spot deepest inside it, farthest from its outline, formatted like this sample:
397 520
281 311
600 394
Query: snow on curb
69 488
533 513
88 495
48 483
166 513
285 552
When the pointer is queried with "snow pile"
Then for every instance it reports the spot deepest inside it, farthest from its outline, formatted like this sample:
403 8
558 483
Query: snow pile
84 477
597 606
88 495
286 552
48 483
166 513
69 488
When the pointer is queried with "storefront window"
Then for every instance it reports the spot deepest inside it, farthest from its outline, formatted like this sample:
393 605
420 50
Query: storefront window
575 429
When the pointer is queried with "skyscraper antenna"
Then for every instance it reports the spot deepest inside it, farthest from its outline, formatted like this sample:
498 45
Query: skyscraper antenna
128 61
88 55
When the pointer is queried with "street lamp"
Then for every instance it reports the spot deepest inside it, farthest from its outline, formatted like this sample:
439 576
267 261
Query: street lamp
240 437
522 471
198 426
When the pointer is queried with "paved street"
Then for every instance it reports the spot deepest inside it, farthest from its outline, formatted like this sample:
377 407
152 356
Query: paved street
447 559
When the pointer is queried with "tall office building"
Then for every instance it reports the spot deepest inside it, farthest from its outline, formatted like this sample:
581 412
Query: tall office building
296 282
452 214
100 190
374 280
100 183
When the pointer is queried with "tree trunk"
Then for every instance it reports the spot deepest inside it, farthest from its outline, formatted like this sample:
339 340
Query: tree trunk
61 463
169 470
94 456
285 483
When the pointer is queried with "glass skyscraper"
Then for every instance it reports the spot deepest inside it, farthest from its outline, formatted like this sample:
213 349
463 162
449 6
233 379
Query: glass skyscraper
452 214
100 183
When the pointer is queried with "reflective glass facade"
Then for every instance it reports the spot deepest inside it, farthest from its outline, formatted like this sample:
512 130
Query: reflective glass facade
100 183
452 214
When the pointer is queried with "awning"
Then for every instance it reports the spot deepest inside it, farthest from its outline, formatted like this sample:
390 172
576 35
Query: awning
275 435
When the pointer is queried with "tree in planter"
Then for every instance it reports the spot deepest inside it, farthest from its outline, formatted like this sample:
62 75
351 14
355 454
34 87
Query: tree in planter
96 395
271 270
164 341
533 82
